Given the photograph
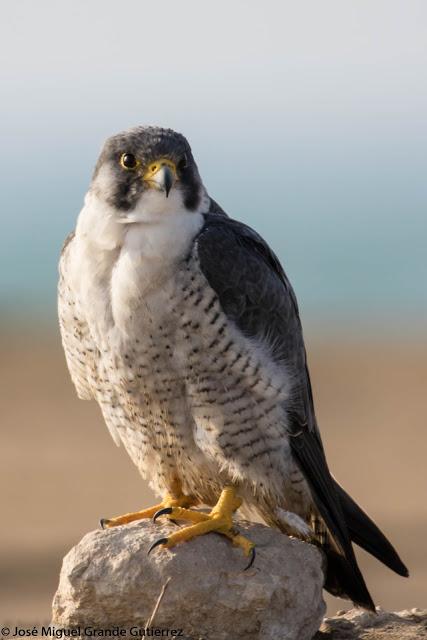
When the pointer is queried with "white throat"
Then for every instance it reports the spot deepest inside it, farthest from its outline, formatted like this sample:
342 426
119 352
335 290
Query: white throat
129 258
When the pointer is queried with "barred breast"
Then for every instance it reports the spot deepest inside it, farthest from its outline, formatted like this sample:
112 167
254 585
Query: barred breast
193 398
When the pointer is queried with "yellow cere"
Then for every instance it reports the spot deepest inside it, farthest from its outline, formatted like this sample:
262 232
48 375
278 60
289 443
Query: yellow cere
154 167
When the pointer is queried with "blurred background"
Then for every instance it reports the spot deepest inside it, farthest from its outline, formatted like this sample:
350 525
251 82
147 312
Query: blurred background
308 122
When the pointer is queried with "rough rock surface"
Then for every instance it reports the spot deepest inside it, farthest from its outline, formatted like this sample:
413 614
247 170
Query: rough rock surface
357 624
108 580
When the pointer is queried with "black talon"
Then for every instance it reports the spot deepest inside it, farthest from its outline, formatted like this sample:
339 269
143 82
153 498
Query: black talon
156 544
103 522
162 512
252 559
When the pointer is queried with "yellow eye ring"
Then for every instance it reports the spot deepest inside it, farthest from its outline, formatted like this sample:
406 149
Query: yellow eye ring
128 161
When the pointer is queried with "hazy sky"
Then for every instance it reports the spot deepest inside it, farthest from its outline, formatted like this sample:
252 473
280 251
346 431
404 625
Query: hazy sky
307 119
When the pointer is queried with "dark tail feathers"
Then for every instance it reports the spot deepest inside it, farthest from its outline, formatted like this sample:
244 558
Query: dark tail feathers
366 534
344 580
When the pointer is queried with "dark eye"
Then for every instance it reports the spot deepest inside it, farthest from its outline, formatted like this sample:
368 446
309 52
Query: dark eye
128 161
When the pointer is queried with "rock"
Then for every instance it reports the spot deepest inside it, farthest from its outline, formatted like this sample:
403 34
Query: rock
107 580
357 624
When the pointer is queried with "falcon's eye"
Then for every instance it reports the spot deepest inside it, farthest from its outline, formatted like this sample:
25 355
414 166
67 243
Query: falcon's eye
128 161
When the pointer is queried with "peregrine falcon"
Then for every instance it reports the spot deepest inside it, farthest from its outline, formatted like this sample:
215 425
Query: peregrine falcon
181 323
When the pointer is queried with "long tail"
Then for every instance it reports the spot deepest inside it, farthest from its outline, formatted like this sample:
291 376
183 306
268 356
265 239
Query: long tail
344 580
365 533
343 576
345 523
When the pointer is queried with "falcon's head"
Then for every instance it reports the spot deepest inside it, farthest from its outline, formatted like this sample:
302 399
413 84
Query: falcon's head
146 172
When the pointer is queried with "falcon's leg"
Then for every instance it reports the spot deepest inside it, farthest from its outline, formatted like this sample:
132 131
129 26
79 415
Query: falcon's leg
174 500
220 520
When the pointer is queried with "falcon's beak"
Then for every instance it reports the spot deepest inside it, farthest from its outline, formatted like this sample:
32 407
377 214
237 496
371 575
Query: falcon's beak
161 175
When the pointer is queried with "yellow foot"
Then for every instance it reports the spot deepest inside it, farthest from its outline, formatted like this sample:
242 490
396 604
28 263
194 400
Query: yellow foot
220 520
168 501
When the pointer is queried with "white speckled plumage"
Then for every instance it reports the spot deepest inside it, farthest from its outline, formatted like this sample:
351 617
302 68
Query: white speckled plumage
150 320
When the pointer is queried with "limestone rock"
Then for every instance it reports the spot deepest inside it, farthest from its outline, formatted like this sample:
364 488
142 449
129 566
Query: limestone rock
107 580
357 624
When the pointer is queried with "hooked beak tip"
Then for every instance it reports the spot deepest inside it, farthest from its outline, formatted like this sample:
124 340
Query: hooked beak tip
168 179
163 179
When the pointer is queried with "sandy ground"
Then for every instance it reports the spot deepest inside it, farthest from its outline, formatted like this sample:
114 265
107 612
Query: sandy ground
60 470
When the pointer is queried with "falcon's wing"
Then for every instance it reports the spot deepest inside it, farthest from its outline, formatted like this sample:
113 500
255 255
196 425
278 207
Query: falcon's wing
255 293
